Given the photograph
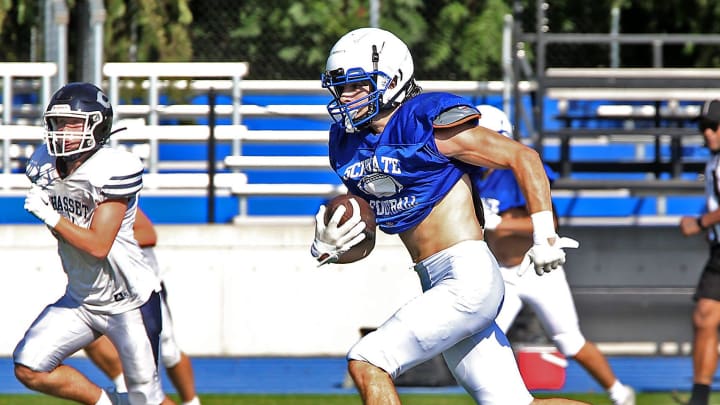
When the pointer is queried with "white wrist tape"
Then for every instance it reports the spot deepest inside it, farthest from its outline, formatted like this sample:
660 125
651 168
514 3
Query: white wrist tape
543 227
52 219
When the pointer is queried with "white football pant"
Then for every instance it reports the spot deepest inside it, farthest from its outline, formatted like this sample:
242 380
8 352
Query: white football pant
463 290
550 298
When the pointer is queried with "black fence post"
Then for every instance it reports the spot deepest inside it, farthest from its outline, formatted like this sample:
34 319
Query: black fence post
211 158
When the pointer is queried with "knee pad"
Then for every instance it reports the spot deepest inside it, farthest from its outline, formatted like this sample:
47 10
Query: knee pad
370 351
145 392
169 352
569 343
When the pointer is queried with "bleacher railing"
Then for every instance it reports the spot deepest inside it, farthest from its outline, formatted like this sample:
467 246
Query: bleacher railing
155 71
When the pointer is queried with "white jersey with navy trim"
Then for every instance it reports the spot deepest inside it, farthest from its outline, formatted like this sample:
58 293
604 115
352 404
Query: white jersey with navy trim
123 280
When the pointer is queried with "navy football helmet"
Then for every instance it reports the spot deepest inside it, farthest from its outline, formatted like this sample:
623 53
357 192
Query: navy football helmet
83 102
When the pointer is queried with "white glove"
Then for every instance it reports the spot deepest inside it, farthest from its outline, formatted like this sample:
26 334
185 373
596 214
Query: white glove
546 257
491 221
547 252
37 202
331 240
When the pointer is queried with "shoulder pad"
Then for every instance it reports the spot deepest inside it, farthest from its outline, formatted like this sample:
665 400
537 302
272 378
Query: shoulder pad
455 116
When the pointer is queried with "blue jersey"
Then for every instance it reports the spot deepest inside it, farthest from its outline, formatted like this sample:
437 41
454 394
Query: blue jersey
499 190
399 171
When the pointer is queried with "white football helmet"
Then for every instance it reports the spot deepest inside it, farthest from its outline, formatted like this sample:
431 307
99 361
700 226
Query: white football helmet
83 101
368 55
494 118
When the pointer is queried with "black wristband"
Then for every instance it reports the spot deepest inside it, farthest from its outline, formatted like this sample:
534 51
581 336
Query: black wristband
699 223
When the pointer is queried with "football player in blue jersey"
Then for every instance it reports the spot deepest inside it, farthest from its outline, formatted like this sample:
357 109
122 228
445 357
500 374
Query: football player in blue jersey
408 154
87 196
509 235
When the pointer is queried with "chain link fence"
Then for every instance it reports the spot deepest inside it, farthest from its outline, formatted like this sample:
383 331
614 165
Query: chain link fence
291 40
287 39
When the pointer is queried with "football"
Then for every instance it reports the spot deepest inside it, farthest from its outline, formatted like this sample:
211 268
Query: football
362 249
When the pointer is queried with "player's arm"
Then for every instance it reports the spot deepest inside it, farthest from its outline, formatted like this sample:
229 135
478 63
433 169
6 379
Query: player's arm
509 224
100 236
518 224
95 240
693 225
480 146
144 230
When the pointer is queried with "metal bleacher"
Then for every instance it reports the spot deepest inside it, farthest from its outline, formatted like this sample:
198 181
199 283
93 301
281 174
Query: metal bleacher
636 147
629 132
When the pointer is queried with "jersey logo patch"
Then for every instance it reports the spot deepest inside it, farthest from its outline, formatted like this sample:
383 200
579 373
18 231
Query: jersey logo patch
120 296
379 185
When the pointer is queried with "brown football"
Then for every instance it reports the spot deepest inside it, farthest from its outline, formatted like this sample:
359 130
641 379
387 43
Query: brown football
362 249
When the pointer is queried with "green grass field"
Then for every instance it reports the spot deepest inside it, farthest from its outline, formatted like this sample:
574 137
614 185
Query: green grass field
292 399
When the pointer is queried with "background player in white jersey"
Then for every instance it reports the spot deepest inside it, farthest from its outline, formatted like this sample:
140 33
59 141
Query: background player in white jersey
508 233
87 196
706 316
407 153
177 364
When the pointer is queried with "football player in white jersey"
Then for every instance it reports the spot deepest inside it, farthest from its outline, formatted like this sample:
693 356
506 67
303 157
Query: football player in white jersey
509 235
87 196
177 364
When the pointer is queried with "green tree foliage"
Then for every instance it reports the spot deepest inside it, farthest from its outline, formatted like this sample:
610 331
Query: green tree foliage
290 39
17 19
464 41
286 39
148 31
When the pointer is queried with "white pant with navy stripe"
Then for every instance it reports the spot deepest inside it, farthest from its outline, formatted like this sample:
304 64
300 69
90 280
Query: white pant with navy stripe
66 327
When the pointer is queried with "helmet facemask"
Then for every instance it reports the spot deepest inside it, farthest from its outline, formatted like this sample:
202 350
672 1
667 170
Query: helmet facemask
357 113
77 120
62 143
375 57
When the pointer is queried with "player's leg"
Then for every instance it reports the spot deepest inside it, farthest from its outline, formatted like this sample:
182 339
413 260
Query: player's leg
550 298
57 333
484 364
512 304
181 375
462 293
136 336
177 364
374 384
706 319
498 384
103 354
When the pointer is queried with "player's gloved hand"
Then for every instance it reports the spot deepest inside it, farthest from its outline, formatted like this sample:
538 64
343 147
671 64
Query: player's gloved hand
490 216
546 257
492 220
547 252
331 240
37 202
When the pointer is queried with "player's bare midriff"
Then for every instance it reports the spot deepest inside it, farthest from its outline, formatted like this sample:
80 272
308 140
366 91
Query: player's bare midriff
451 221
